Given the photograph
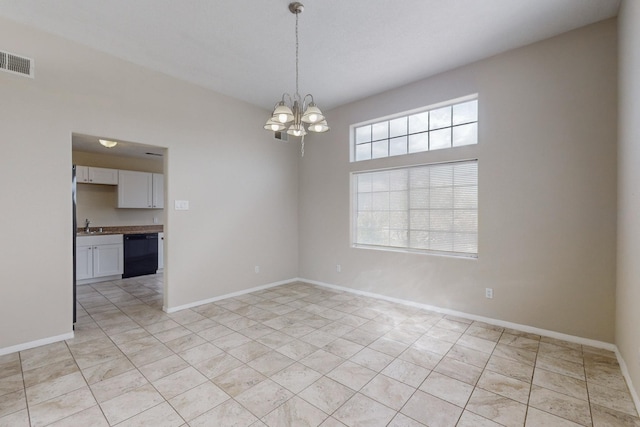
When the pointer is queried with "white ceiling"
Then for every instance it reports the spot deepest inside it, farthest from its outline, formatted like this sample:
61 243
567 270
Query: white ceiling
91 144
348 49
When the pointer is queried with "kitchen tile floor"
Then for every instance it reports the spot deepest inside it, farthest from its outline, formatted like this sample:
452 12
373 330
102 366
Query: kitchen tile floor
302 355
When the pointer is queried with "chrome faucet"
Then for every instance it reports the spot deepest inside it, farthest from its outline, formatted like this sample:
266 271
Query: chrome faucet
86 225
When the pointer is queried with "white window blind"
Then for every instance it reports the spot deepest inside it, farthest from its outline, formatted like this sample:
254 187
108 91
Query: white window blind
431 208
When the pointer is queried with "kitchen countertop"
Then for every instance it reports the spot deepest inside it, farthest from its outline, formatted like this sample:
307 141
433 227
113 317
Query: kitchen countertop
128 229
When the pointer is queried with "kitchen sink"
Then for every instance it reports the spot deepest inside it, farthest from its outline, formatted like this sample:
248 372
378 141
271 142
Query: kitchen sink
91 233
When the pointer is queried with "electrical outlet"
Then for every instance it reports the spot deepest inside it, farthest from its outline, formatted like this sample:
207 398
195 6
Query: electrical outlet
338 268
155 219
488 293
257 269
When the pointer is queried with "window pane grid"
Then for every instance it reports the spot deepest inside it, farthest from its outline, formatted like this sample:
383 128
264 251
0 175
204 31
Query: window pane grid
445 127
429 208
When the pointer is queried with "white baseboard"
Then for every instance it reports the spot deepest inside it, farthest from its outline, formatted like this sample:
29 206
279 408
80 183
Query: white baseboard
36 343
489 320
231 295
627 377
99 279
504 324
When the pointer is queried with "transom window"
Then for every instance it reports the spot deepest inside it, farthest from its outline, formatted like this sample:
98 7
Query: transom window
426 208
453 125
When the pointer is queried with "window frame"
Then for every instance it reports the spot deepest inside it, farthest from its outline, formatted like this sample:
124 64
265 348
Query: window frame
406 114
353 211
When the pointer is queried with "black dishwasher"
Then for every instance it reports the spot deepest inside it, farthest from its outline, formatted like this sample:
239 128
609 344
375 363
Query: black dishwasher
140 254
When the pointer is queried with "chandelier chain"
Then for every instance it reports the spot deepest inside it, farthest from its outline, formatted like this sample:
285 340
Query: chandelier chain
296 114
297 92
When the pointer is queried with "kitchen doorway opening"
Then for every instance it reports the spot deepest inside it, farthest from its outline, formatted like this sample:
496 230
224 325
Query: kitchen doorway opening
119 220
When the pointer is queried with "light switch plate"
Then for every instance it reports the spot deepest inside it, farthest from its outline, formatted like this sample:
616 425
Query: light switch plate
182 205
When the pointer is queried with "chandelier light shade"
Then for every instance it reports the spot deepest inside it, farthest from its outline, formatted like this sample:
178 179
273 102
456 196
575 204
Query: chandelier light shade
319 127
274 126
282 113
292 113
312 114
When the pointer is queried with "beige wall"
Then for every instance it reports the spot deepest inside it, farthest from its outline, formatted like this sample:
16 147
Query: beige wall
547 157
99 203
241 184
628 289
547 174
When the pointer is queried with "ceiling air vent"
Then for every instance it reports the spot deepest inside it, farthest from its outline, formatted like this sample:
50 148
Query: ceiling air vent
281 136
16 64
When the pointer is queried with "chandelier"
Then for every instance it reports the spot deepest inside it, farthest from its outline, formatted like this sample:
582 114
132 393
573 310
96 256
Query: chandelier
295 112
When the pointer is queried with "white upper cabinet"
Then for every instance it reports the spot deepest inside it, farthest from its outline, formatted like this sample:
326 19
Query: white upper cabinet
103 176
157 198
134 189
82 174
91 175
142 190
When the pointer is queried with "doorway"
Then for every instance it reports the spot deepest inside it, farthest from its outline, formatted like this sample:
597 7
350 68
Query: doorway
105 205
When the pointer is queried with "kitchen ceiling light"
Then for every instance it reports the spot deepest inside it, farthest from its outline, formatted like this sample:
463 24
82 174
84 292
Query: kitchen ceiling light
107 143
293 112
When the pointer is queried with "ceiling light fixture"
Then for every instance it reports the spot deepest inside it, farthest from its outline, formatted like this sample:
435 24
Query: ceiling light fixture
293 112
107 143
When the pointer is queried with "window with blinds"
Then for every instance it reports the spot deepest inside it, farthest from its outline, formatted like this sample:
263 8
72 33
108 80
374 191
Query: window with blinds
432 128
426 208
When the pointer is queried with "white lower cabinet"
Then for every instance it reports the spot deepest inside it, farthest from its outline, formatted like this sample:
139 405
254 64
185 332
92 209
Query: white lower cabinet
160 252
84 261
99 258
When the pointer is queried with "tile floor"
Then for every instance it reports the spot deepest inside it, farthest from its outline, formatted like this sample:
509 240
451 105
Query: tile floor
302 355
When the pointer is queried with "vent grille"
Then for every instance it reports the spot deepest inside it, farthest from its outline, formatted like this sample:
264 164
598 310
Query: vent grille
16 64
281 136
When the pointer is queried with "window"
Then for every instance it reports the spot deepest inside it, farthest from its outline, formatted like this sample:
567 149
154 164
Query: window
452 125
426 208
